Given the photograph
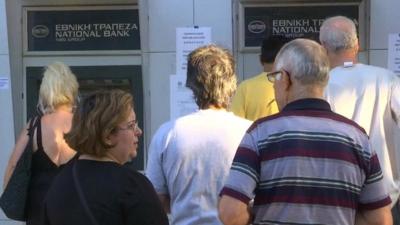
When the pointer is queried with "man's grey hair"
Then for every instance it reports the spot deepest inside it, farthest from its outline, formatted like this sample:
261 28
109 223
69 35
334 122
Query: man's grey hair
338 33
211 76
305 60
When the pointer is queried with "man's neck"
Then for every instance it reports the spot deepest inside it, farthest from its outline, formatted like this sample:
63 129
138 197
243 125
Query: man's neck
302 93
339 59
214 107
267 67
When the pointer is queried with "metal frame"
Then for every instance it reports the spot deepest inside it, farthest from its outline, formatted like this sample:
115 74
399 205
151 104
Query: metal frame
240 5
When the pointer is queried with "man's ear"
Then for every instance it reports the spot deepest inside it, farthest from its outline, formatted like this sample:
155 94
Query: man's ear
324 47
357 48
287 82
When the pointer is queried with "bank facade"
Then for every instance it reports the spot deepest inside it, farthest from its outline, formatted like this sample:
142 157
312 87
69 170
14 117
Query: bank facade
131 44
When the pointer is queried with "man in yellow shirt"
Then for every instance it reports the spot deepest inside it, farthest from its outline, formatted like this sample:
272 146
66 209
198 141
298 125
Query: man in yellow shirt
255 96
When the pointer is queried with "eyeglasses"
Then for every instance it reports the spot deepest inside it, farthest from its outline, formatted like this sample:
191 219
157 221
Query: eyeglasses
134 126
274 76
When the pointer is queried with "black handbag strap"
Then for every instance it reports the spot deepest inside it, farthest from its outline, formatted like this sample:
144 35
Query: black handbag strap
81 196
33 123
39 132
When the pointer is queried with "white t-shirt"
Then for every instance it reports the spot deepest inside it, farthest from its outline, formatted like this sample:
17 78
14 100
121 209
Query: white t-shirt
370 96
189 159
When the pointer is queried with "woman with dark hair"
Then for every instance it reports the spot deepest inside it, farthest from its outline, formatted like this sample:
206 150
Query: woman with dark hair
97 188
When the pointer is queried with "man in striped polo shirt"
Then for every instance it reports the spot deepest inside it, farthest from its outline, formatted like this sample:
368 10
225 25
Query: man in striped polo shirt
306 164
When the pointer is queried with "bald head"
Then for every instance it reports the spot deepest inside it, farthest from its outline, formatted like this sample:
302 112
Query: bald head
338 33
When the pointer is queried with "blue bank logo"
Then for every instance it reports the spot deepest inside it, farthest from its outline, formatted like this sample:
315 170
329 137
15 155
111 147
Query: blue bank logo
256 26
40 31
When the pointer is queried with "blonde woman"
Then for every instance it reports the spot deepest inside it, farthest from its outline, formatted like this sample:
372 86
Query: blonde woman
57 95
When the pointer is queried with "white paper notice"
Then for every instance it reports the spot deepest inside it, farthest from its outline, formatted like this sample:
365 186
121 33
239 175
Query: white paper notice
181 100
394 53
188 39
4 83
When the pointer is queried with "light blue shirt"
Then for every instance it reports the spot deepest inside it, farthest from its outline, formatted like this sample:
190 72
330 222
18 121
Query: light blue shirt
189 160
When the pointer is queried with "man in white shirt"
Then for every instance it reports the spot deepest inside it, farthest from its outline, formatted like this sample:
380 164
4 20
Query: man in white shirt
367 94
190 157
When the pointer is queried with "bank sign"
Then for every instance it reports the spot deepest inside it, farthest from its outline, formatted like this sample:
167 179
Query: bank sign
83 29
289 22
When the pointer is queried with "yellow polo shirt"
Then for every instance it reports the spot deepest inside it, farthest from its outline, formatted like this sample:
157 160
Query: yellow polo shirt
254 98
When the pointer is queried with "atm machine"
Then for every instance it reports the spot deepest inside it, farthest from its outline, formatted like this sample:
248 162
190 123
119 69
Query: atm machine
92 78
101 44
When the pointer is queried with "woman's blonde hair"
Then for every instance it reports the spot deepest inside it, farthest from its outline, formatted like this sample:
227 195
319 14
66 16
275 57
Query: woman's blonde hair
59 87
98 116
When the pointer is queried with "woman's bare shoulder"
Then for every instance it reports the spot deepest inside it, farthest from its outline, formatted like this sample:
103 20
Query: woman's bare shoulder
54 126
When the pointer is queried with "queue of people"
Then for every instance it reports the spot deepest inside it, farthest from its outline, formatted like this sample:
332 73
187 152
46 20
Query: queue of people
323 158
305 164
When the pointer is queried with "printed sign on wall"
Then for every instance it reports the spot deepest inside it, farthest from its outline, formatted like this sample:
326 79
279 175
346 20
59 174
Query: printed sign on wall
394 53
282 24
187 40
82 29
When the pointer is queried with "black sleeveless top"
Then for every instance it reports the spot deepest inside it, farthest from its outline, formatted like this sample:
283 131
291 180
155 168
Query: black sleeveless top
43 172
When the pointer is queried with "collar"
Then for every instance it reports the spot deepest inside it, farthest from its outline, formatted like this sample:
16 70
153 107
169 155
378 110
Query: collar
348 64
308 104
